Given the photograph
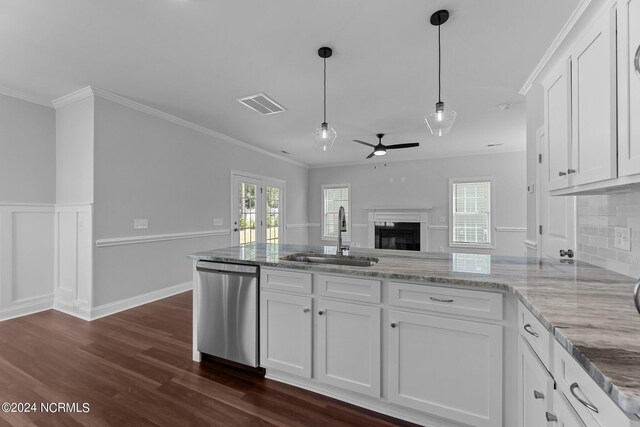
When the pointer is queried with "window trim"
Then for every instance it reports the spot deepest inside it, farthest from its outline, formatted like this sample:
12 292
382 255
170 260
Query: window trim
492 215
346 236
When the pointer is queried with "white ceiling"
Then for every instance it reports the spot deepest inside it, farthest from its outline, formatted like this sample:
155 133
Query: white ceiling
193 58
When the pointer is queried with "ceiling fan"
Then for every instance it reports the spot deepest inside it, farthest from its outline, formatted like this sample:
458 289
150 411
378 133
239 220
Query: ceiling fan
381 149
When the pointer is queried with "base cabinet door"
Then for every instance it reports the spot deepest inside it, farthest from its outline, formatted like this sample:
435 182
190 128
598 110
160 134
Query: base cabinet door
285 332
563 415
348 346
535 388
446 367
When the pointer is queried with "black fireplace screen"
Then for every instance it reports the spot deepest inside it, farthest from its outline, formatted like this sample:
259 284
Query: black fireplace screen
398 235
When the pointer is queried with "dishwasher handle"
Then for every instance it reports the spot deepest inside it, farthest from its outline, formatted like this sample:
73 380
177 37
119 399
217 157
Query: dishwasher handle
224 268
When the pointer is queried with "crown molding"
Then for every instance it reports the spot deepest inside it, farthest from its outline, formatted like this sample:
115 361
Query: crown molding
562 35
24 96
72 97
110 96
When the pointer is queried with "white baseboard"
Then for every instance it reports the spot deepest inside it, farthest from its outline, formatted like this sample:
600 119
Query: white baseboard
29 307
126 304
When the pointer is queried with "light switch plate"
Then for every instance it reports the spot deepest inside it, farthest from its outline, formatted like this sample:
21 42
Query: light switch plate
531 188
622 237
140 224
218 221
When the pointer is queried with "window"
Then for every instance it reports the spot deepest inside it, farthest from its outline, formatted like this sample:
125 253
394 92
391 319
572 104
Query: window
334 196
471 212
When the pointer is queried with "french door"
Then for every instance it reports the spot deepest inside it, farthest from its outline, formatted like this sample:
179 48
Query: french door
257 209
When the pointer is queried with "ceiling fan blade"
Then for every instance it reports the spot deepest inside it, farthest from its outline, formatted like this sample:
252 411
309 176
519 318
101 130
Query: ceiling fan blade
371 155
407 145
362 142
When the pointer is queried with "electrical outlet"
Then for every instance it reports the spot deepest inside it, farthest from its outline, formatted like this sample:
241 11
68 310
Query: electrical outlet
622 237
140 224
218 221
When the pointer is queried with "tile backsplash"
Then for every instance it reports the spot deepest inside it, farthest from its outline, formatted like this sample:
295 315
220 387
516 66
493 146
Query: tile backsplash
598 217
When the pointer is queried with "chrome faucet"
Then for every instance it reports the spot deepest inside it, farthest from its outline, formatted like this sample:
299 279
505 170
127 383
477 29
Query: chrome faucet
342 226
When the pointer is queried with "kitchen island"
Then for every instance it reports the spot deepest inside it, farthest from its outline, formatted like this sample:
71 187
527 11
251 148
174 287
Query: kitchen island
588 311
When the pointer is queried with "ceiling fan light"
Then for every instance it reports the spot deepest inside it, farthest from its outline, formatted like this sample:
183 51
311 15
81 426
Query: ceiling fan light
441 120
380 152
325 136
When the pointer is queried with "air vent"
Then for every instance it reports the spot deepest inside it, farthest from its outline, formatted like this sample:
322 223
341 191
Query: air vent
262 104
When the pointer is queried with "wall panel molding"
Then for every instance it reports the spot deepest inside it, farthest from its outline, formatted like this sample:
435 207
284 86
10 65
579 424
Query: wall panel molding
132 240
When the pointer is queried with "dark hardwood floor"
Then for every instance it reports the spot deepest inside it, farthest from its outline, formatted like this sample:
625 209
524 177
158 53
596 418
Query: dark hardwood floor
135 368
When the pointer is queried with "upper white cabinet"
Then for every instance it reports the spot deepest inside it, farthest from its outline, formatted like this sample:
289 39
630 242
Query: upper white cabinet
558 118
593 89
580 108
628 87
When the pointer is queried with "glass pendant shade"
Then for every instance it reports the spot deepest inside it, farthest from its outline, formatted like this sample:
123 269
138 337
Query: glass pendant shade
441 120
325 136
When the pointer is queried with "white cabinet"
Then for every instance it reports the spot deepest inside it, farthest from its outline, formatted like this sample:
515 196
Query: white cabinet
628 87
593 68
285 332
557 101
535 388
581 108
563 415
348 346
447 367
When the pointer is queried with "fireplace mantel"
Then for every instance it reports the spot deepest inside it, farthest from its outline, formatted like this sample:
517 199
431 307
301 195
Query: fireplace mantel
399 214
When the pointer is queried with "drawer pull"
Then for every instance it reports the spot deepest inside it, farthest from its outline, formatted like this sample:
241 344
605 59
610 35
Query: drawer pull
537 394
584 402
393 325
321 312
440 300
305 310
561 173
551 417
636 62
527 328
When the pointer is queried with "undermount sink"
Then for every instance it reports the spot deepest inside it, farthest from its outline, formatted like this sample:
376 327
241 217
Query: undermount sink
314 258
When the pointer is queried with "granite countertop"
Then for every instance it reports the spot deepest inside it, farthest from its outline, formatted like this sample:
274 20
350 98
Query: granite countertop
590 310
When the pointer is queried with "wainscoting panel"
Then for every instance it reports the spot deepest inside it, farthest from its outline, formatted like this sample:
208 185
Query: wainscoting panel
73 259
26 259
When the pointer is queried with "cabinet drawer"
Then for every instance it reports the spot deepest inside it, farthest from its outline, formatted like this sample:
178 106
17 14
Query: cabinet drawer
536 334
285 280
487 305
570 375
349 288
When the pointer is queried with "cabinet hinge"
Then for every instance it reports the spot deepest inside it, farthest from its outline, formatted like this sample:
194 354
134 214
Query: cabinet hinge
539 229
260 190
539 158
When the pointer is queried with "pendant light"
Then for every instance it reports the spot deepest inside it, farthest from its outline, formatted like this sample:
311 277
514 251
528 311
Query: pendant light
441 120
325 136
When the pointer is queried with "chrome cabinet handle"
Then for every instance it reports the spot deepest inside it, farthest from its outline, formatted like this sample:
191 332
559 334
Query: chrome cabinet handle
537 394
321 312
584 402
636 297
528 328
570 171
440 300
561 173
305 310
636 62
550 417
393 325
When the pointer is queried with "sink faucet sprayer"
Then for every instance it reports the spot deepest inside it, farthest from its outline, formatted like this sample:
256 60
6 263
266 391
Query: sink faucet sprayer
342 227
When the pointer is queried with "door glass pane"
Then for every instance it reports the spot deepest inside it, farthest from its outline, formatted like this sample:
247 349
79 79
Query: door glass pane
273 214
247 212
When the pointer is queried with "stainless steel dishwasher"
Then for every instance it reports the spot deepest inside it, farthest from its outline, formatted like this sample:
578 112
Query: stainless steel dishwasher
228 311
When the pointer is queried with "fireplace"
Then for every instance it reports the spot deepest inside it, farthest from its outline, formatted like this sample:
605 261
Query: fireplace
398 228
397 235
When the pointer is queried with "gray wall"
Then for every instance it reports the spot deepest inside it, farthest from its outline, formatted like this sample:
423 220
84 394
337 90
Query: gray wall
27 152
74 152
179 179
535 120
426 184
